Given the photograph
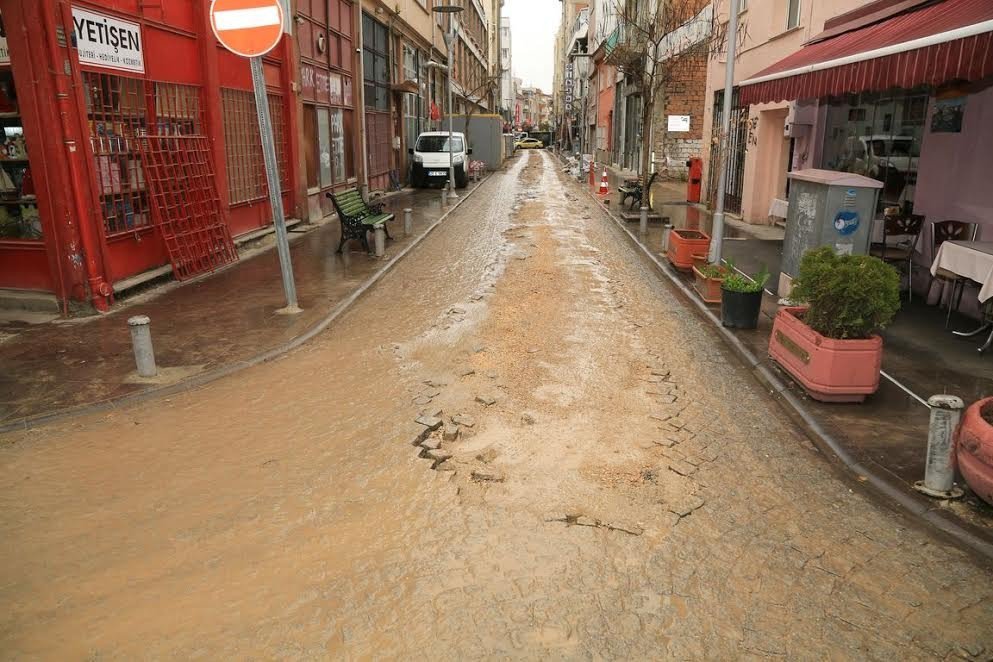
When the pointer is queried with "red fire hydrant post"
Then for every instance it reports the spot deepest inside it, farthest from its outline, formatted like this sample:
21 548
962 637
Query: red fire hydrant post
694 180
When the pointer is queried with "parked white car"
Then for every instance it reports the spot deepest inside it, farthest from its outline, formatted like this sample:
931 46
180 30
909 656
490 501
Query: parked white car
429 159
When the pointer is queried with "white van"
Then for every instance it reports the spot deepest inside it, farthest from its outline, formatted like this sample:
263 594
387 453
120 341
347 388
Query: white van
429 159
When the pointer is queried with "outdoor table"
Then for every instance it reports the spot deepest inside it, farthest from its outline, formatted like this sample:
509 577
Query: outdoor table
972 260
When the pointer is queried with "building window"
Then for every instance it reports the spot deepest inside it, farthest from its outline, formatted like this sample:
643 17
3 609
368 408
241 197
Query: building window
376 64
243 148
792 14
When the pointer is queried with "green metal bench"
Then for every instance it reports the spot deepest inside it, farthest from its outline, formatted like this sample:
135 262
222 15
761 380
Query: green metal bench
358 217
632 188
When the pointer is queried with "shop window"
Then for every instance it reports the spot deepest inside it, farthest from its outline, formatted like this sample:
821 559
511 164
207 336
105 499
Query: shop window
18 203
310 139
376 64
117 115
243 148
324 146
340 160
880 137
792 14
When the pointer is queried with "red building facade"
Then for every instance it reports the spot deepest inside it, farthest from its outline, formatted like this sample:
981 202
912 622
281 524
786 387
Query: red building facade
325 37
83 84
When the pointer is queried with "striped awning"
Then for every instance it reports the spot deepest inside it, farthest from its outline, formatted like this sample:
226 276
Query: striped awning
930 44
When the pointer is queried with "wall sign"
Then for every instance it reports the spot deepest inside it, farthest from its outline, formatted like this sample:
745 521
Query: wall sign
679 123
107 41
846 222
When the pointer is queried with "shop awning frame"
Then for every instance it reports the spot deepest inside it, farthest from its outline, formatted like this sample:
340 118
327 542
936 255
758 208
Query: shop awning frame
964 52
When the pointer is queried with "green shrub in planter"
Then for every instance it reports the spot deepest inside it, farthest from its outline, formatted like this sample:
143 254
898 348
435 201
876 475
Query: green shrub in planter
849 296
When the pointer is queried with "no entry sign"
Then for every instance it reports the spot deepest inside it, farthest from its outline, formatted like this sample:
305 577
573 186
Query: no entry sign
249 28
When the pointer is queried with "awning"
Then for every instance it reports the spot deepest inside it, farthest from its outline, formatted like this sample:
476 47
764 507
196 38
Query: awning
930 45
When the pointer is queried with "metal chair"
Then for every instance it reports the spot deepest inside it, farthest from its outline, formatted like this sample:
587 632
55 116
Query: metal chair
940 233
900 253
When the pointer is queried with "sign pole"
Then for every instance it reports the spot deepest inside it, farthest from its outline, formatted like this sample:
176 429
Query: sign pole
275 190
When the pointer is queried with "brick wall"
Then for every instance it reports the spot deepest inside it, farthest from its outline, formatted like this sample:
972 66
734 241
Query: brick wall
684 96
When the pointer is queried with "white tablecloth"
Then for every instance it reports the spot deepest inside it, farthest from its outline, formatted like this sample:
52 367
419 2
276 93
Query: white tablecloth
779 208
970 259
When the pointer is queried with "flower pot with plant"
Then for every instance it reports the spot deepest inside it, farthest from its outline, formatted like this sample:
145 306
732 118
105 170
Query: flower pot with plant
683 244
741 299
974 448
707 281
830 344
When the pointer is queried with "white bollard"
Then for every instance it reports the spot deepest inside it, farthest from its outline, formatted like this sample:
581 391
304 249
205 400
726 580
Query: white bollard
444 197
939 470
380 241
666 231
643 221
408 222
141 342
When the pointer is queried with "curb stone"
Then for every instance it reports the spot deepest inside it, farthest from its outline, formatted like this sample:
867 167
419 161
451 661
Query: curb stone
947 523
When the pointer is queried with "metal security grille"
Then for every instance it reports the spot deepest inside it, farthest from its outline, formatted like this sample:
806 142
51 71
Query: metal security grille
186 205
119 111
116 108
243 147
735 143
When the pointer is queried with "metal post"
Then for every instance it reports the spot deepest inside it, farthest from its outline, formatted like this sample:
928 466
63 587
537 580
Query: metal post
444 197
666 230
939 471
643 221
275 190
380 241
717 239
450 43
408 222
141 343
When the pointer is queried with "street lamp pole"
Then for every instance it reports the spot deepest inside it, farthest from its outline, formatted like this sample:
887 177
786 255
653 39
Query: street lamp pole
450 47
717 241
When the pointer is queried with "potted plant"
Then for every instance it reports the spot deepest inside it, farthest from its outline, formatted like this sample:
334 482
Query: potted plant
683 244
830 345
974 448
741 299
707 281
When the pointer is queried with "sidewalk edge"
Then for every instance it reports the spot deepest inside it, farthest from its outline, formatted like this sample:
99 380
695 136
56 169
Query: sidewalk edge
947 523
223 371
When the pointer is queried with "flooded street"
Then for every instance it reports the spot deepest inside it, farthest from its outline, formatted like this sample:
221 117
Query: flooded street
619 487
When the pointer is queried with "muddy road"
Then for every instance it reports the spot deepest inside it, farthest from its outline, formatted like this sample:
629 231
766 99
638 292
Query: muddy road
618 487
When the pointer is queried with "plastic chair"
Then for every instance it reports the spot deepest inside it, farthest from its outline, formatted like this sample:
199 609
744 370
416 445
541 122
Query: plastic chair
900 253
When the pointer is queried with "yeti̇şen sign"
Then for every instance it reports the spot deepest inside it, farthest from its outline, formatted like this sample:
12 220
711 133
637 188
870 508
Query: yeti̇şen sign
107 41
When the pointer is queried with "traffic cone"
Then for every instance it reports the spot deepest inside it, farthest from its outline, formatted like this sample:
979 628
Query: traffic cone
604 189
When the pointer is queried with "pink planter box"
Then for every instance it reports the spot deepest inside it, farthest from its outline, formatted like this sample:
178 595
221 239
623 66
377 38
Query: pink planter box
830 370
974 450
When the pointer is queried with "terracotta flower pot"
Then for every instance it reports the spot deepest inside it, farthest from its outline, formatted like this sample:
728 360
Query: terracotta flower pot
829 370
683 244
700 259
708 287
974 448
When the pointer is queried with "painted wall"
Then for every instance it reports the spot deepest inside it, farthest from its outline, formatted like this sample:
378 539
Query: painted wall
767 41
953 176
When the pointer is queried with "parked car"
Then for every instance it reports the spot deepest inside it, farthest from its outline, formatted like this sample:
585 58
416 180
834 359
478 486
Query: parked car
529 143
429 159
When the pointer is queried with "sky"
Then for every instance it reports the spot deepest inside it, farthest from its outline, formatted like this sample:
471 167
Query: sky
533 24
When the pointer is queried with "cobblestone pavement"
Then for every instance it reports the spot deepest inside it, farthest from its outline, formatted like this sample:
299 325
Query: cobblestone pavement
617 486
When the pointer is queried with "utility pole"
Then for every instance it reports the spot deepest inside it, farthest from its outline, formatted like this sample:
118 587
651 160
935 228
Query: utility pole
717 240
